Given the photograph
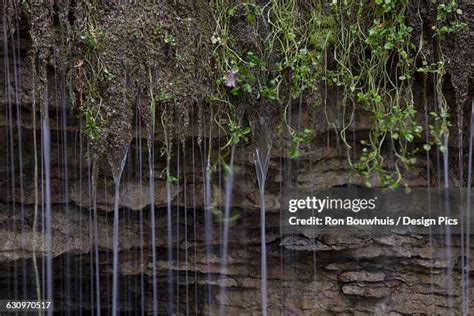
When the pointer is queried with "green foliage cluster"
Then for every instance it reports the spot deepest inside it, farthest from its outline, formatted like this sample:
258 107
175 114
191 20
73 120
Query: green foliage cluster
167 37
284 62
92 73
376 66
447 23
447 19
371 45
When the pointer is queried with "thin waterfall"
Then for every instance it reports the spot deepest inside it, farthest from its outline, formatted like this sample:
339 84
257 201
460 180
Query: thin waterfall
5 91
35 183
92 231
63 261
447 208
229 184
194 226
177 223
151 175
43 229
96 239
466 265
63 151
208 229
460 127
86 150
115 243
262 161
107 254
313 240
428 174
186 237
216 209
208 224
16 76
10 130
443 181
45 133
281 248
141 229
150 126
169 223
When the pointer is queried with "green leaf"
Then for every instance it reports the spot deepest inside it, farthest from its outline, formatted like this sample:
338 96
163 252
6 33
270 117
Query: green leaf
250 18
215 39
388 45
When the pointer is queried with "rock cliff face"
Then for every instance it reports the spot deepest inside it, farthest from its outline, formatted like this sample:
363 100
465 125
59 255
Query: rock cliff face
330 274
327 274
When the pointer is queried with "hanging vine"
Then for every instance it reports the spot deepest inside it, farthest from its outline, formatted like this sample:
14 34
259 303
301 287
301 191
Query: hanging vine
373 62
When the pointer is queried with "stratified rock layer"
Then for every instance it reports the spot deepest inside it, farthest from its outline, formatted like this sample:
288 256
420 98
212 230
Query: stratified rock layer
389 275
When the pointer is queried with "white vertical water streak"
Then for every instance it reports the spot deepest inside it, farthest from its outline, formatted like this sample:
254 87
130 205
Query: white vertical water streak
186 252
115 242
153 224
10 130
447 208
16 76
141 231
96 240
177 225
194 227
229 184
35 181
466 264
45 133
170 235
208 225
261 166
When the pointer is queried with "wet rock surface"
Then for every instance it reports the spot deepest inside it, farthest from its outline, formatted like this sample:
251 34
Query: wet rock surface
328 274
389 275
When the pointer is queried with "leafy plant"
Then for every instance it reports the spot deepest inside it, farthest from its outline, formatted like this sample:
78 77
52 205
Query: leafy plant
447 19
238 133
306 136
439 130
92 37
93 74
374 58
92 121
169 39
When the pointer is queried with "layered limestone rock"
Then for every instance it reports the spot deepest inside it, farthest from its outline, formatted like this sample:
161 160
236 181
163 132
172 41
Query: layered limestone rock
328 274
395 274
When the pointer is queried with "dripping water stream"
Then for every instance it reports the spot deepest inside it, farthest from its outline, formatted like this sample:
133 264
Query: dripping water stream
45 133
96 239
151 176
467 256
186 237
117 174
208 231
169 230
262 160
229 183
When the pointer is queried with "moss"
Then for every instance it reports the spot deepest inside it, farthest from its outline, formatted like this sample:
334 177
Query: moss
236 63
